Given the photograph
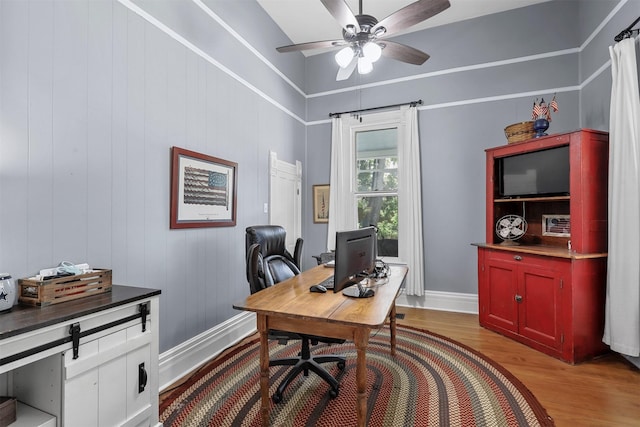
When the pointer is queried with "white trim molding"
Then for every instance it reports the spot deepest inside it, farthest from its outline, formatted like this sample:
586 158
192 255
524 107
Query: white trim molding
441 301
180 39
187 356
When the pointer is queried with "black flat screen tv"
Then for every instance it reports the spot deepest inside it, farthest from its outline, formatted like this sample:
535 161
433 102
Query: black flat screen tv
355 261
536 173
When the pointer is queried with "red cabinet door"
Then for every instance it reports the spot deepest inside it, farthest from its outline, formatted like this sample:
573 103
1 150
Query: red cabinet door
521 295
498 306
539 305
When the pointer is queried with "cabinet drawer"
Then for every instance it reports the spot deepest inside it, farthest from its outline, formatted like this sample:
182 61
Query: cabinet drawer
550 263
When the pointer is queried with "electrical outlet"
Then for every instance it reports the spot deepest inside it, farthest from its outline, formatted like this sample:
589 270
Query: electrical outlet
266 208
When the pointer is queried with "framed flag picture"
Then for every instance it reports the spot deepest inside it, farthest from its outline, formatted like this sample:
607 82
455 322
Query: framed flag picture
321 203
203 190
556 225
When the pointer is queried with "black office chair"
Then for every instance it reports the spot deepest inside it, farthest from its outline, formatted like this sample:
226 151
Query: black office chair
269 262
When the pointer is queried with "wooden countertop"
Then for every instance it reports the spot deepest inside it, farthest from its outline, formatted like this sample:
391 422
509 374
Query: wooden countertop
23 319
542 250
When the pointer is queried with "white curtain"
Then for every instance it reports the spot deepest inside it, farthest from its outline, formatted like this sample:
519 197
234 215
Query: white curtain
342 213
622 312
410 247
342 209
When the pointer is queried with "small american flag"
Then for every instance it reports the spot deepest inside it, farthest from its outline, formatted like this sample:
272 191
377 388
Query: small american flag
537 110
544 110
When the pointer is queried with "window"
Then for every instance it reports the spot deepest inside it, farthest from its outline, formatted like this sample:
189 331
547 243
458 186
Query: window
376 179
376 184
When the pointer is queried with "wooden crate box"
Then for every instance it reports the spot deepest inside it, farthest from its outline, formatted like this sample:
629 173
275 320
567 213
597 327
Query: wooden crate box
54 291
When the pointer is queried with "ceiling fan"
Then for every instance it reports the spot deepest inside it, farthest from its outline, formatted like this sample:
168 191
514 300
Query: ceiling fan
364 38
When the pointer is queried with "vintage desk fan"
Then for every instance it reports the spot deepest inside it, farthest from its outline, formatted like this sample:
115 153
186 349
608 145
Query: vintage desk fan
511 228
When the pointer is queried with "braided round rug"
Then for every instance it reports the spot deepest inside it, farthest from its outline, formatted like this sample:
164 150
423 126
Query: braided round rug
432 381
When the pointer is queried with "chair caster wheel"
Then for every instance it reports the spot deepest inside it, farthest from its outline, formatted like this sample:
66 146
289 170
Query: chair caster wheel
333 393
277 398
341 365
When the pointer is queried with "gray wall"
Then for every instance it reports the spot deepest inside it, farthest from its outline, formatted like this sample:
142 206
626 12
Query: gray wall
483 75
94 93
595 79
92 97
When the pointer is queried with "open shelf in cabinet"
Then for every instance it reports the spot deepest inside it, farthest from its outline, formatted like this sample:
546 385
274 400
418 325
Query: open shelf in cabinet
533 199
533 210
584 203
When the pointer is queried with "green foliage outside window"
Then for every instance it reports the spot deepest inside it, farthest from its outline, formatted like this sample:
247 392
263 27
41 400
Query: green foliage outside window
375 176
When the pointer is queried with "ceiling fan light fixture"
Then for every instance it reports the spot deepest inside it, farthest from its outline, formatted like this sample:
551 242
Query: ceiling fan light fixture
372 51
364 38
344 56
365 66
379 31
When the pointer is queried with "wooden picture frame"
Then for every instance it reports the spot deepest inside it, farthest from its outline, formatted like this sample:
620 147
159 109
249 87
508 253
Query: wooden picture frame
556 225
203 190
321 203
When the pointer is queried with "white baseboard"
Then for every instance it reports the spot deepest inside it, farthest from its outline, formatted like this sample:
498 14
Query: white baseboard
443 301
634 360
185 357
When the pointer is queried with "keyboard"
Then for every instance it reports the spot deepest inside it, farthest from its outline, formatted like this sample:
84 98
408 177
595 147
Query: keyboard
327 283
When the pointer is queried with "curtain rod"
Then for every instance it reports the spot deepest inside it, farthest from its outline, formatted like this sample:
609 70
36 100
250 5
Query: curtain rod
628 32
412 103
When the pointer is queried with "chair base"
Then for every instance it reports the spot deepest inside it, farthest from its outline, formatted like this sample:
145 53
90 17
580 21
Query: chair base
304 364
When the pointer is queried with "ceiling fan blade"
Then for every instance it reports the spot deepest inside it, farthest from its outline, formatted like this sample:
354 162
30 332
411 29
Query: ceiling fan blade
342 13
403 52
311 45
410 15
345 73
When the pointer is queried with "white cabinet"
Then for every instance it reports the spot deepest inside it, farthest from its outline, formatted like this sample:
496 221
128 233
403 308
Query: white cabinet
108 381
107 375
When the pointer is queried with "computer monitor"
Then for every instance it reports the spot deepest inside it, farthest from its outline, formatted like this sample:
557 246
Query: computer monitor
355 260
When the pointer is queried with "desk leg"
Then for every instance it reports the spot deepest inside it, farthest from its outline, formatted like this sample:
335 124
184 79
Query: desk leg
392 327
264 368
361 339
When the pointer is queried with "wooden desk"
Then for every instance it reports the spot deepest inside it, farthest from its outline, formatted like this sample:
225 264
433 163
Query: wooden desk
289 306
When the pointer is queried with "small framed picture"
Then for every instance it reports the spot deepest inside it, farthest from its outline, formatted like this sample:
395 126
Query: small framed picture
203 190
321 203
556 225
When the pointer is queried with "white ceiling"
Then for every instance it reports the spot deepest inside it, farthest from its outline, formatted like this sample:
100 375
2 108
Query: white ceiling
308 20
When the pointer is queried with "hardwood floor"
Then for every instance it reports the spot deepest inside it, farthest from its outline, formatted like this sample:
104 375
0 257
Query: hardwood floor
601 392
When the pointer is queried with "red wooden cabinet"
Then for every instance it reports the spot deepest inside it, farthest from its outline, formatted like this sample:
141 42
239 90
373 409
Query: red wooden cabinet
520 295
544 292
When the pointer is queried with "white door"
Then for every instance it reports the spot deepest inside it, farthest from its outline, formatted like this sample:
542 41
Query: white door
285 206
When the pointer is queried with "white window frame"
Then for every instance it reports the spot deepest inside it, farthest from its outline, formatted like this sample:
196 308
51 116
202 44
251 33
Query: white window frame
369 122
